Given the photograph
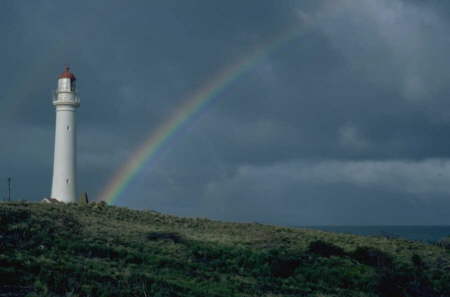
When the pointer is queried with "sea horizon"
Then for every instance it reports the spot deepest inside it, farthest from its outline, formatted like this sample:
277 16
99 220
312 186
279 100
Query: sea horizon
425 233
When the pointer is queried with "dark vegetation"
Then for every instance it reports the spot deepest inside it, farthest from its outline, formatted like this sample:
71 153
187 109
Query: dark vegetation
98 250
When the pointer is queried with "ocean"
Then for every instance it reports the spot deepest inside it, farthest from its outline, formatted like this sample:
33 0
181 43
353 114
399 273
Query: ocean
420 233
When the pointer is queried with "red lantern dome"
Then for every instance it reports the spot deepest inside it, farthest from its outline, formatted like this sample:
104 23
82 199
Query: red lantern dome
68 74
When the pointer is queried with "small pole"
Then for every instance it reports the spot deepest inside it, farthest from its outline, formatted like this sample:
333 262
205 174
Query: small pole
9 188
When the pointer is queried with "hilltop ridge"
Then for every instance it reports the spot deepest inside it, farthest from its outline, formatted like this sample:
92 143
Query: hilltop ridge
100 250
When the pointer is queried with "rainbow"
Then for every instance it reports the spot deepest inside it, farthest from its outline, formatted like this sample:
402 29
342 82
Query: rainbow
196 103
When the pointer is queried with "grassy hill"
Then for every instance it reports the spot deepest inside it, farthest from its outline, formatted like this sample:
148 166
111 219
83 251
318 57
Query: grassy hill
100 250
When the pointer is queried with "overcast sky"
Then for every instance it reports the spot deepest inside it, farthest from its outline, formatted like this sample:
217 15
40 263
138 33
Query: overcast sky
347 123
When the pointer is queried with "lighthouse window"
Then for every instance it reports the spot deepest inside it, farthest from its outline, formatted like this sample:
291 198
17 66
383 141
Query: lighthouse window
68 128
67 180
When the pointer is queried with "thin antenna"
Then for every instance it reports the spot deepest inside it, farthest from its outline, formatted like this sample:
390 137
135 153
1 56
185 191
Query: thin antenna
9 188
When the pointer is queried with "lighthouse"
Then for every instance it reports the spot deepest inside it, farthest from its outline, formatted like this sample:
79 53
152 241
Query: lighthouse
66 101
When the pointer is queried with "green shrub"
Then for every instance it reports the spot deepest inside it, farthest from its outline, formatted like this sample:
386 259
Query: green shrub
373 257
175 237
10 216
444 242
325 249
282 264
418 263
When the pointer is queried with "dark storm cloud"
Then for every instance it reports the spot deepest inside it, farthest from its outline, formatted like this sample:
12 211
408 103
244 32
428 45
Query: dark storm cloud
345 124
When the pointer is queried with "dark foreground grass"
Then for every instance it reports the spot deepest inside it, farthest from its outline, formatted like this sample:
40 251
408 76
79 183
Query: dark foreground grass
99 250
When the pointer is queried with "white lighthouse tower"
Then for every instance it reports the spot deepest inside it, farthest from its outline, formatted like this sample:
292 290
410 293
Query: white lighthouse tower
64 186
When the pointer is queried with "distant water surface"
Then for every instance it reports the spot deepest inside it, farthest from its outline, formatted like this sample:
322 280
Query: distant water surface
422 233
